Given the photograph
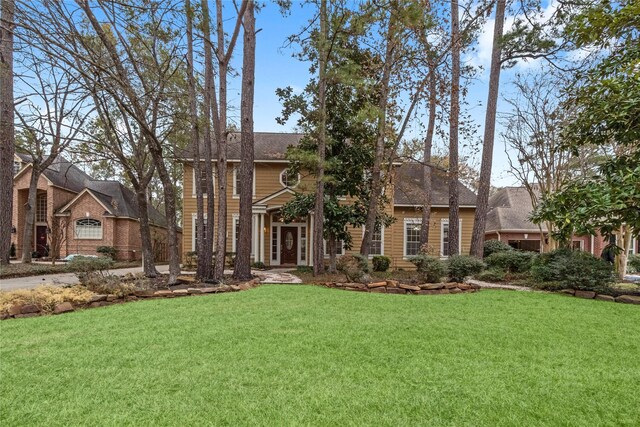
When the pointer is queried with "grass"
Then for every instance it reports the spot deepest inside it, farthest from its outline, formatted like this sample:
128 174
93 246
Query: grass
302 355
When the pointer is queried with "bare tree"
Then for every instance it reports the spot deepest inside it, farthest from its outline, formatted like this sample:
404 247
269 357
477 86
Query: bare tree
57 236
484 185
426 158
52 113
7 131
242 267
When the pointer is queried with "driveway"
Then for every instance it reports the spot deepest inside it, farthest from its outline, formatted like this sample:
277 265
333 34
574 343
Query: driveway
61 279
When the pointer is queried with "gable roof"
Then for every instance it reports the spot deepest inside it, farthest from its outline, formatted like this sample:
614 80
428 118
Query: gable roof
268 146
409 187
509 210
61 173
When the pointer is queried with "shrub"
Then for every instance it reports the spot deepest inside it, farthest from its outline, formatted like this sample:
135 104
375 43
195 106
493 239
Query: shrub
573 269
259 265
354 266
491 275
634 263
381 263
45 297
461 266
510 261
304 269
90 270
108 251
431 269
493 246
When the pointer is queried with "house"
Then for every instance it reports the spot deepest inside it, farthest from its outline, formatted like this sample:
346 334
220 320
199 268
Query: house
508 221
78 213
276 243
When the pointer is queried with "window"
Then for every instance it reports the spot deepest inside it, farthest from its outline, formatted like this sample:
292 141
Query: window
41 208
194 239
444 237
634 244
274 243
288 179
88 228
16 167
303 244
377 242
576 245
202 181
236 234
339 247
236 182
412 236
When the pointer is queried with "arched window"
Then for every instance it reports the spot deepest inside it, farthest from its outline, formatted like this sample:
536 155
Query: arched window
288 179
88 228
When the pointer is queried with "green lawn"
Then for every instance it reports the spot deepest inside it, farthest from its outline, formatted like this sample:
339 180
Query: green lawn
302 355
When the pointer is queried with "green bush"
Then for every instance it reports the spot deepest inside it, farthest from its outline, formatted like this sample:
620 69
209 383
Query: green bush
491 275
304 269
381 263
431 269
461 266
93 272
354 266
493 246
259 265
573 269
510 261
109 251
634 263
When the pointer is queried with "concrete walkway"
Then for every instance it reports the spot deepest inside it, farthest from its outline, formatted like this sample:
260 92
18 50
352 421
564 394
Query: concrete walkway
489 285
62 279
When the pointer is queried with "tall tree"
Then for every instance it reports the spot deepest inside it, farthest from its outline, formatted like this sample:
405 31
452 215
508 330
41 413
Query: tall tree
426 156
454 206
484 185
7 131
242 266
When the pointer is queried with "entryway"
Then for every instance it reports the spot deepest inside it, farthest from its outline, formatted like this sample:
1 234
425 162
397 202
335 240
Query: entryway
288 245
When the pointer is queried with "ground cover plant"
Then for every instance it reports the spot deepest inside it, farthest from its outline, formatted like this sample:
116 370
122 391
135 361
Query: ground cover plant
305 355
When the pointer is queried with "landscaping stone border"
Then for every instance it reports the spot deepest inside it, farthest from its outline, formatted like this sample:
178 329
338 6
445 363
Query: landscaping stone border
624 299
98 300
395 287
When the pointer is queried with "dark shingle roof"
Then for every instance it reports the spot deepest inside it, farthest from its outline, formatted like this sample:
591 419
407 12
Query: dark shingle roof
409 188
267 146
509 209
63 173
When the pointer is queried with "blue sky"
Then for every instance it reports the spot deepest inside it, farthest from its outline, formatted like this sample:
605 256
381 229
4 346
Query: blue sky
275 67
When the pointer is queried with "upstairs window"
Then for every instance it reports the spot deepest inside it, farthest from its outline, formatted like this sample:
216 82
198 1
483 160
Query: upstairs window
289 179
202 182
41 208
88 228
16 167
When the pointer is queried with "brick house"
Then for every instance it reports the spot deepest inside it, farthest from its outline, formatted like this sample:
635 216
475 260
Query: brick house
508 221
78 213
277 243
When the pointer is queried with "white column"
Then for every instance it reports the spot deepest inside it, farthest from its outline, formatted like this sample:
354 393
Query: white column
254 236
261 238
310 239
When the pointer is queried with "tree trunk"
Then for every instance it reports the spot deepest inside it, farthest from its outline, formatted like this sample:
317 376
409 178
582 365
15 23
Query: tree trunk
318 210
195 142
242 267
482 201
30 215
333 253
454 208
207 251
376 184
426 158
7 135
622 257
148 259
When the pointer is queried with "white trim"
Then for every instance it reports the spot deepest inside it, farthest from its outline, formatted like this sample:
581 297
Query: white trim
86 190
404 233
277 226
193 182
194 218
190 159
382 229
234 193
282 182
326 252
581 246
444 221
400 205
274 195
75 229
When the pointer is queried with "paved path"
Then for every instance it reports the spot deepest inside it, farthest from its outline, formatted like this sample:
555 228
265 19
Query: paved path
489 285
61 279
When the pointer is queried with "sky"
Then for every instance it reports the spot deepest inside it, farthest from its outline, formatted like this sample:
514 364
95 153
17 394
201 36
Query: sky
277 68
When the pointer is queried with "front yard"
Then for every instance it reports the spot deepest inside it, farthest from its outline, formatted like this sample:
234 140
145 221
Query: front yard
292 355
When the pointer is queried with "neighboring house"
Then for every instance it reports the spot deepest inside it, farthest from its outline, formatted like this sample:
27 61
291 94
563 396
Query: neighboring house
81 213
508 221
277 243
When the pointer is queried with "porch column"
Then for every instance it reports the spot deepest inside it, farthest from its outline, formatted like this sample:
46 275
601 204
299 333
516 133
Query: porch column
261 238
255 236
310 234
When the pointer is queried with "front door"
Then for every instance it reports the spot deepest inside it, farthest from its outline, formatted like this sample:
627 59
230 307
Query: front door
288 245
41 241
